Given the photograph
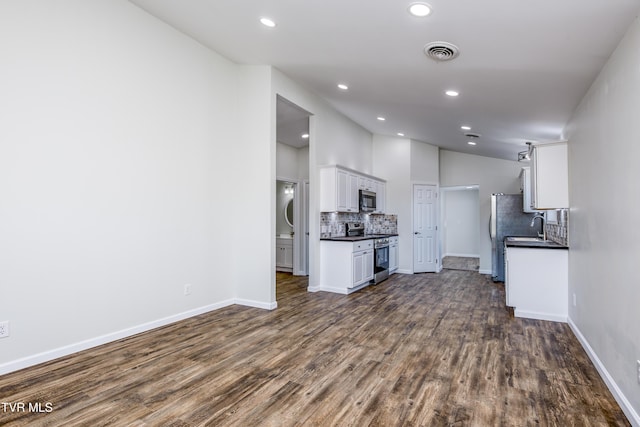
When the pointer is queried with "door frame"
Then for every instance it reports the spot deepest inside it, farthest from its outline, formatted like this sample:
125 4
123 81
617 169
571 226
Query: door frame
300 268
443 194
438 249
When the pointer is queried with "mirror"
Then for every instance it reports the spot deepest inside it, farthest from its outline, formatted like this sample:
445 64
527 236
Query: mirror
288 212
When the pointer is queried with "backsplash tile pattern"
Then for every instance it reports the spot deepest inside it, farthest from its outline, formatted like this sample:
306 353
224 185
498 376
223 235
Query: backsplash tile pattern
559 232
333 223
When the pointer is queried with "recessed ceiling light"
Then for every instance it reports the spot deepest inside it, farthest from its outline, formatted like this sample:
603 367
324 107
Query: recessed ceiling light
382 119
343 86
267 22
305 135
419 9
400 134
465 127
452 93
471 143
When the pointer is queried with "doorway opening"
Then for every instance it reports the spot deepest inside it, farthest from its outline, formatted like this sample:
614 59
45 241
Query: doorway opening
460 237
292 190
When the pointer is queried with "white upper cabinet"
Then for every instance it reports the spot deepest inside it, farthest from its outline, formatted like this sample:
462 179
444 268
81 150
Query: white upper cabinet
367 184
550 176
380 190
338 190
525 187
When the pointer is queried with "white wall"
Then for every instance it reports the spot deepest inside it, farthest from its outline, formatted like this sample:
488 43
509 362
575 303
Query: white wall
287 161
424 163
491 176
292 163
391 157
119 175
604 236
254 181
460 228
402 161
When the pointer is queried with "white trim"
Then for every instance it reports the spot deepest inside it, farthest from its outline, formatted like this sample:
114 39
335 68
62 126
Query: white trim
49 355
540 316
624 403
485 271
341 291
461 255
257 304
403 271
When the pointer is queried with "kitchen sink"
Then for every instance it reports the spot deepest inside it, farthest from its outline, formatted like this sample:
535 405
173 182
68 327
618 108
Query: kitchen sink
526 239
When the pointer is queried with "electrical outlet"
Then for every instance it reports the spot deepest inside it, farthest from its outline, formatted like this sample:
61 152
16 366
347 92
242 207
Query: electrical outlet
4 329
638 370
575 302
187 289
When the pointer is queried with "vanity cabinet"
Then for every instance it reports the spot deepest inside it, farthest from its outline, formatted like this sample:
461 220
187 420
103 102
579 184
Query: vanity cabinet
345 266
393 254
550 176
284 254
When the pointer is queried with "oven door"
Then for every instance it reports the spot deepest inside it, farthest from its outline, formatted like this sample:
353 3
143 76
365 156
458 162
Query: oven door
381 264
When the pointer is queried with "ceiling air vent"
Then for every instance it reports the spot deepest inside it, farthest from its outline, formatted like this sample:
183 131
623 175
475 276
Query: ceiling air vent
441 51
472 135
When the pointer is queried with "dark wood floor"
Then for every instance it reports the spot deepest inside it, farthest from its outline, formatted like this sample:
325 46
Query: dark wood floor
415 350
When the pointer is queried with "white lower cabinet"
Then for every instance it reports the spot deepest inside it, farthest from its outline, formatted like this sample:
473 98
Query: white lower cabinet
362 266
284 254
536 282
345 266
393 254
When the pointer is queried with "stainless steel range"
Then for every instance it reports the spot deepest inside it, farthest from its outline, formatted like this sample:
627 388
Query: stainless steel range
381 259
380 246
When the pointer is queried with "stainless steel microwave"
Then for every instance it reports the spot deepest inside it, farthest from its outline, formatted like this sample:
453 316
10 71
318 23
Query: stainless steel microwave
367 201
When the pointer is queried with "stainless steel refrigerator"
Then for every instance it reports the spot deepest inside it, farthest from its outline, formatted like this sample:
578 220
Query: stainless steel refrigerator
507 219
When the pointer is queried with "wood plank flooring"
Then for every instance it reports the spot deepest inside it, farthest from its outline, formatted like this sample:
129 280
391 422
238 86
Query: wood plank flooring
415 350
461 263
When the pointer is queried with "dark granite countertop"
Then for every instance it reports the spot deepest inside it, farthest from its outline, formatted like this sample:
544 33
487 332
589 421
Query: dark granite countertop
532 242
356 238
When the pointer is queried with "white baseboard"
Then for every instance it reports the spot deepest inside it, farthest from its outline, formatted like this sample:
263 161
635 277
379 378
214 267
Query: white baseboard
403 271
56 353
49 355
540 316
461 255
256 304
485 272
622 400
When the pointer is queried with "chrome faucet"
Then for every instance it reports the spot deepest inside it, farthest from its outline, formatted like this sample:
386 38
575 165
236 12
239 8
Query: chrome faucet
544 230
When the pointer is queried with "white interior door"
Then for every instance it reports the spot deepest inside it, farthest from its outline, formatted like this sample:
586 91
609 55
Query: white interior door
425 228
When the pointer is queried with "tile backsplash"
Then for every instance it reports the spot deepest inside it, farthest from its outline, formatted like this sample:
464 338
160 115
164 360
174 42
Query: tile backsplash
558 231
333 223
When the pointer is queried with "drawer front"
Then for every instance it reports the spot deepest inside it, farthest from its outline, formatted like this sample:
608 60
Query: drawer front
362 245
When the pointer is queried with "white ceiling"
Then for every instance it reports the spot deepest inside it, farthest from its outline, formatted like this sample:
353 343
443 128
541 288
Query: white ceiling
523 65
